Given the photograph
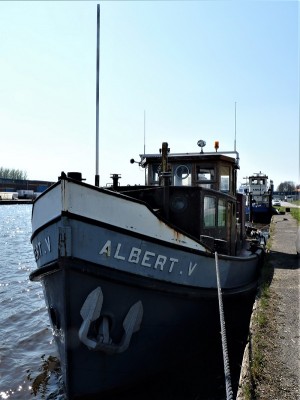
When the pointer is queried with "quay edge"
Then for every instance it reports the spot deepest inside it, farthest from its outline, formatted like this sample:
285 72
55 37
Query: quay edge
278 338
15 202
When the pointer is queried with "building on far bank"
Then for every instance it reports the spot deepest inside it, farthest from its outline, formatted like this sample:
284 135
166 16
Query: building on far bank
17 185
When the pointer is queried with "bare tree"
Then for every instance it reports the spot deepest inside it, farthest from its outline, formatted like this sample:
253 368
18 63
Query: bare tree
6 173
287 186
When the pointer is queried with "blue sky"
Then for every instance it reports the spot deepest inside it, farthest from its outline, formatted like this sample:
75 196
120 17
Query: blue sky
184 63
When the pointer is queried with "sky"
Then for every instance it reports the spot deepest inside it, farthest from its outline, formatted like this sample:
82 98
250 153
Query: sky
170 71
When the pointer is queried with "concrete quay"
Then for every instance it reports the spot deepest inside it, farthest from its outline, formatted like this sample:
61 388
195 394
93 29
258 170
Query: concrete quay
280 374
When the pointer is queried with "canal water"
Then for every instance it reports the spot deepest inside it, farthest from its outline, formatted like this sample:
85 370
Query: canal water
26 343
28 359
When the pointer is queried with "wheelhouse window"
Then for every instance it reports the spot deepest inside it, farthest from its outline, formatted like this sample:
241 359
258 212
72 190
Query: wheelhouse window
258 181
224 179
205 176
209 211
153 171
221 212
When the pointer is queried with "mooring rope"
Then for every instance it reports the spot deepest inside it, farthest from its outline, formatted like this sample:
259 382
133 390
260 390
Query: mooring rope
229 393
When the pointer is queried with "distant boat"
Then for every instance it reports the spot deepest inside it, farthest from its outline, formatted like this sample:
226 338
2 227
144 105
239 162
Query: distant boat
8 196
129 272
259 202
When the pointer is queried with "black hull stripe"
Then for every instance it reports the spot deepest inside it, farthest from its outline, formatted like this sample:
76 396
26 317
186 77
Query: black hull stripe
125 278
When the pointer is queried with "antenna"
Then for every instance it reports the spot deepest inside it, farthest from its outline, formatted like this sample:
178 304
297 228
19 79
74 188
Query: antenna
144 132
235 126
97 178
145 140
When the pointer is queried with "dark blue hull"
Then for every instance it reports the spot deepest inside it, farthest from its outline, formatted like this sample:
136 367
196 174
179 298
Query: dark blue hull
176 328
260 214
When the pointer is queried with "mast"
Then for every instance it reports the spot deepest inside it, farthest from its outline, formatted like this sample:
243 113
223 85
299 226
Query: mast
97 178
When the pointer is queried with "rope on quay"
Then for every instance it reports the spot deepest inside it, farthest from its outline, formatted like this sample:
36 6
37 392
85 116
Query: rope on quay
229 393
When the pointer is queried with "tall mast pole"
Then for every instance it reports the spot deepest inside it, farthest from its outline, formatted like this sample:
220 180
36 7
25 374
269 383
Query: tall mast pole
97 178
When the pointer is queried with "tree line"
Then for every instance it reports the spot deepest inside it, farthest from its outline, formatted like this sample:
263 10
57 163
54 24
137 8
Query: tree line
287 186
11 173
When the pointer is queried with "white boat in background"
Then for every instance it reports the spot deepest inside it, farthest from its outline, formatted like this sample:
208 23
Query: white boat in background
8 196
259 198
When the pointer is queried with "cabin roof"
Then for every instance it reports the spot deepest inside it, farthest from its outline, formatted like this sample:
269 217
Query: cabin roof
189 157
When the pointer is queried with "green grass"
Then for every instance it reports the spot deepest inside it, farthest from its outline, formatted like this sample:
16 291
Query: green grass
259 337
296 211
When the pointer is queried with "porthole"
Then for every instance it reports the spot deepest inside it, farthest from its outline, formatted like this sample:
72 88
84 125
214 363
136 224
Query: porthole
182 171
178 204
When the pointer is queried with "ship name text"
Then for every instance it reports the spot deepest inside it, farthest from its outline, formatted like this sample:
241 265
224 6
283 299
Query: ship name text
41 248
145 258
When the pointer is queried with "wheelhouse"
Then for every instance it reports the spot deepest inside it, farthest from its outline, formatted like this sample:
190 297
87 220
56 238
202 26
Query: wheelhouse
195 192
216 172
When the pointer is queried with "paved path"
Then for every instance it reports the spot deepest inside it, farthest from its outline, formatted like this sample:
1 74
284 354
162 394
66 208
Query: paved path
287 204
282 371
286 284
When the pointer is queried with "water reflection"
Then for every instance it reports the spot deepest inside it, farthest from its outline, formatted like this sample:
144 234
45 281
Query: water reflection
25 331
50 370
